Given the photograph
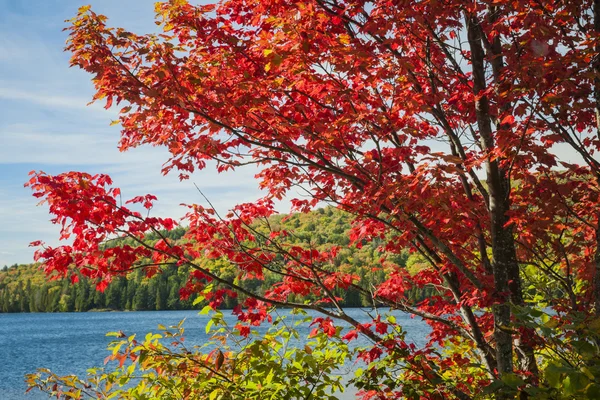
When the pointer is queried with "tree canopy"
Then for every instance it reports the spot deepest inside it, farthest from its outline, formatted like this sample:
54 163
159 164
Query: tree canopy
464 131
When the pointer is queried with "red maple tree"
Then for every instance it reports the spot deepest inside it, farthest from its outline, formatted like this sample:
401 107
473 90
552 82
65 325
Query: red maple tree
442 126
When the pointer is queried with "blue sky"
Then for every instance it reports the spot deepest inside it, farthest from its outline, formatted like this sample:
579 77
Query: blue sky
46 125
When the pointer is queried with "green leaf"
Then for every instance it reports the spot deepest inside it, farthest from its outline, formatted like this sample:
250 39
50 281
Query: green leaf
513 380
493 387
552 373
199 299
206 310
575 382
209 324
593 391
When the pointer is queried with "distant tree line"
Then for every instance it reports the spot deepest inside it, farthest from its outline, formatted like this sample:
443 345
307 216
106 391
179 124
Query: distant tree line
134 292
24 288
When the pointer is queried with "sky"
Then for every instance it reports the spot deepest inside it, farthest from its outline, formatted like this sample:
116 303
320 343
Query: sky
45 125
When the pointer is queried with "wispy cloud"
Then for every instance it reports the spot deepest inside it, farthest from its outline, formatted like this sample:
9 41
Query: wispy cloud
76 148
59 102
43 99
45 124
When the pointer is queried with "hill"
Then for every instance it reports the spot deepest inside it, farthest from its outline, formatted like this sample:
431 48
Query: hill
25 288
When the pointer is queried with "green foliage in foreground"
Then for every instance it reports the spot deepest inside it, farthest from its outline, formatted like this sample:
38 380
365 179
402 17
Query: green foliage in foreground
25 288
273 365
229 366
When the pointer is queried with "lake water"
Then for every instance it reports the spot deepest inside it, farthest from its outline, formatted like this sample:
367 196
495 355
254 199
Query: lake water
70 343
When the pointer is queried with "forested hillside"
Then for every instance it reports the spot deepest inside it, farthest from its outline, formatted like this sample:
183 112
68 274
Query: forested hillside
25 288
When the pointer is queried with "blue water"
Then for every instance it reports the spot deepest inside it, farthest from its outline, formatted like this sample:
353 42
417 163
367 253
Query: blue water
70 343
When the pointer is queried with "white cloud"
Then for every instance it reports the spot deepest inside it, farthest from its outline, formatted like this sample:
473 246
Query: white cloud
51 148
59 102
42 99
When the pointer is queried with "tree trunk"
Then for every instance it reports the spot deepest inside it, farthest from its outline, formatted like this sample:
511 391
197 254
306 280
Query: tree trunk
502 245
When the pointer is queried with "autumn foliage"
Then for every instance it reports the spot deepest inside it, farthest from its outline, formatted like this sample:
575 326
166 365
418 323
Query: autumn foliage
465 131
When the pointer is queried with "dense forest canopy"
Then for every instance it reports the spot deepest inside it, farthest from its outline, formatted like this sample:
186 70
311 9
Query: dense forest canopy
439 126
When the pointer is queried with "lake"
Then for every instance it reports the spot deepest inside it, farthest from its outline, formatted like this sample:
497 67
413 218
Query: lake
70 343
